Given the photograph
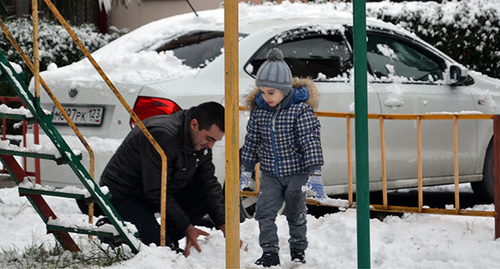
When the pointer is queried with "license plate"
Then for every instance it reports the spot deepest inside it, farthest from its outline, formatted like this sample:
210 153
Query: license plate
80 115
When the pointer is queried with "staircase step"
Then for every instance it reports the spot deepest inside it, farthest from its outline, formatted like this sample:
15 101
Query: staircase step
36 151
22 153
82 230
19 114
79 224
26 188
15 117
72 225
43 190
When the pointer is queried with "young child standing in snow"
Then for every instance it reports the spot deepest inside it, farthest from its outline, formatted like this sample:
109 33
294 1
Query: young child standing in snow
283 134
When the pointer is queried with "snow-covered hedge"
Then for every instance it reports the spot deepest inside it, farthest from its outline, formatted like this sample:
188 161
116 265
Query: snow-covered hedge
55 44
468 31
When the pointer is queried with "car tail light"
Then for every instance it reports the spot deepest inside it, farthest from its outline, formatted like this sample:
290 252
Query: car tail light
146 107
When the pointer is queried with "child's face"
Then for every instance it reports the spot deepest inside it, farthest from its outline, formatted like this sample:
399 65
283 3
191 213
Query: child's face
272 96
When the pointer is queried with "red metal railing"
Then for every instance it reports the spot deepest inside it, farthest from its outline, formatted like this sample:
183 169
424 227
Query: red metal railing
36 139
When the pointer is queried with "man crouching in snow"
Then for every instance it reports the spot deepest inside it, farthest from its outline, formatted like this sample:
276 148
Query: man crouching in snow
133 175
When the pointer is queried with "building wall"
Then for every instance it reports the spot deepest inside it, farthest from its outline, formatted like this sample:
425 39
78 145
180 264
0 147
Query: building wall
140 12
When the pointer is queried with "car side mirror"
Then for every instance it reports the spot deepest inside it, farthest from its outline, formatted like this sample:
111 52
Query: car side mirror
458 75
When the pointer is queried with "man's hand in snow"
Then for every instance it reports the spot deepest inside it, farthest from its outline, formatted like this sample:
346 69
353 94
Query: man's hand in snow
192 234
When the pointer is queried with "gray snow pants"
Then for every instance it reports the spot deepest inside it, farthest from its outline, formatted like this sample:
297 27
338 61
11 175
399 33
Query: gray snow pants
273 192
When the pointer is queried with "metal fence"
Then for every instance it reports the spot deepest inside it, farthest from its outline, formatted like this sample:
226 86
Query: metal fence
419 208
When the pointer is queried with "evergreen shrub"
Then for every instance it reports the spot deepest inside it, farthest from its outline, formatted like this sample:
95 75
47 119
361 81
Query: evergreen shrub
471 36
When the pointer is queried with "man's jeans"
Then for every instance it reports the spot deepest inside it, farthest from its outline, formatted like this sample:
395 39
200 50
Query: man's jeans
273 192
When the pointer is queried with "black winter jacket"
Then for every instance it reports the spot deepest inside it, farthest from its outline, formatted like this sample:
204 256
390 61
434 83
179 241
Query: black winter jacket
135 168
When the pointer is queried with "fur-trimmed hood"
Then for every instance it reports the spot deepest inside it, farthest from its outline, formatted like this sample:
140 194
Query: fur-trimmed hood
299 85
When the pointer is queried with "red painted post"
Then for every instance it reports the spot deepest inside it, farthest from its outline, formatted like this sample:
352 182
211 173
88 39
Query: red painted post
496 172
36 139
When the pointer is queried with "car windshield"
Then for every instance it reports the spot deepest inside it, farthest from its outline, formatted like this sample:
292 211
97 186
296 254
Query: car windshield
390 57
196 49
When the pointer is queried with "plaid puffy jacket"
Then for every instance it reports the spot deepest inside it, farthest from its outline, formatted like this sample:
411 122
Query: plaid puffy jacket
285 139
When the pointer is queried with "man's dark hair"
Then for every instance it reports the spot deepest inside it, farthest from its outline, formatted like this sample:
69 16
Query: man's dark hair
209 113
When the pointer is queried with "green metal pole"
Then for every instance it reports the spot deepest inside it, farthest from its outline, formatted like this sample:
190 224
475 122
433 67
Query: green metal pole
361 127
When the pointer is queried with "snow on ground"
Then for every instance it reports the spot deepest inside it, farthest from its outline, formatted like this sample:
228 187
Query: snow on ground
409 241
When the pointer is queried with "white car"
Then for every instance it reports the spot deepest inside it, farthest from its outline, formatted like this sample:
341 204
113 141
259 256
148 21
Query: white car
178 62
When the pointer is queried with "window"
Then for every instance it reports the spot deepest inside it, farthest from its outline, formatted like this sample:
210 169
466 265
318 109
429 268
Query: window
196 49
316 53
390 57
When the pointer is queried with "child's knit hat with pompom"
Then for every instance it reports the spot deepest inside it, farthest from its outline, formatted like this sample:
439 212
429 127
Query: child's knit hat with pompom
275 73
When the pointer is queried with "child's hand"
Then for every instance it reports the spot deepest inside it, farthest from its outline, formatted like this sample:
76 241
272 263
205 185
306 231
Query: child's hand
315 184
245 179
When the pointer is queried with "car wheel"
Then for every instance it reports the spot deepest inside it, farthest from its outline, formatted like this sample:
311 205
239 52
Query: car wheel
248 205
485 189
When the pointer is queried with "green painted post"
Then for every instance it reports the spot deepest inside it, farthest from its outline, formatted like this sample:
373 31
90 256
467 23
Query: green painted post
361 127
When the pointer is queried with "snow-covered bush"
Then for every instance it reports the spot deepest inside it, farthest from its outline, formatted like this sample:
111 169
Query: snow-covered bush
468 31
55 44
